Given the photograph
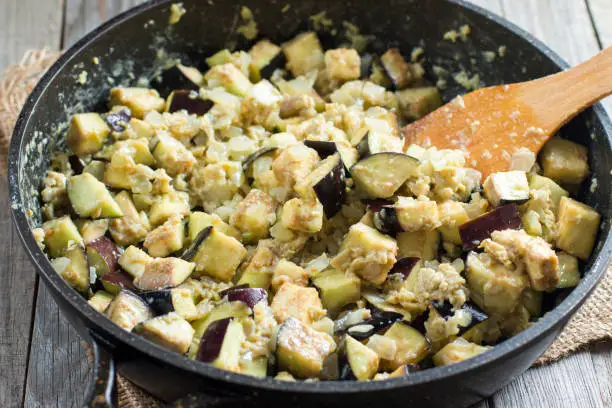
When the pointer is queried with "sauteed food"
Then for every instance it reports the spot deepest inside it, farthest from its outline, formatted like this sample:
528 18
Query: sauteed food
267 217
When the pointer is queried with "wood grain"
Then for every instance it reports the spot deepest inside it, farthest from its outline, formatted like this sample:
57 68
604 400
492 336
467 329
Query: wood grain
20 30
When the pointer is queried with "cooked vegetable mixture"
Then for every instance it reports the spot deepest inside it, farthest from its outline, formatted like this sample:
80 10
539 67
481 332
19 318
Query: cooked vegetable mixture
267 218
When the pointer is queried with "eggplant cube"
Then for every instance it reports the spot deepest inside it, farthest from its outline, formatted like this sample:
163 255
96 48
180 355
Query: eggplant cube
102 254
343 64
164 273
258 271
325 183
170 331
167 206
199 220
221 344
578 225
507 187
338 289
412 346
263 54
565 162
90 197
254 215
304 53
60 234
362 361
366 253
228 77
139 100
298 302
302 350
569 273
414 103
303 215
134 261
172 155
167 238
287 271
100 300
418 244
127 310
219 256
417 214
87 133
73 268
385 347
456 351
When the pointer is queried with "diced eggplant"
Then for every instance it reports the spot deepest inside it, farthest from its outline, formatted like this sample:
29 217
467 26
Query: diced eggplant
375 204
385 220
356 361
119 120
331 367
224 292
506 188
405 265
382 174
250 296
220 344
322 147
134 261
140 101
378 75
302 350
229 77
419 244
378 301
475 231
73 268
76 164
531 300
564 161
578 226
87 133
178 77
404 370
569 273
257 367
60 234
199 220
219 255
476 314
191 251
337 289
304 53
246 164
114 282
365 68
103 255
100 300
397 68
457 351
266 57
537 182
185 99
170 331
369 144
90 197
412 346
257 272
127 310
160 301
414 103
223 311
163 273
327 181
486 333
379 320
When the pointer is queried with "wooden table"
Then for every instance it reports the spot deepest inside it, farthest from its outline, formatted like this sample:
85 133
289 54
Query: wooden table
42 361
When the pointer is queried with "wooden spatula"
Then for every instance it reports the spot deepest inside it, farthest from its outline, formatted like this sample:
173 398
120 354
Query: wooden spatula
492 123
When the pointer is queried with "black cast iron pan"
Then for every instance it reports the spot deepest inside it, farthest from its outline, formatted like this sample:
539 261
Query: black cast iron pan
128 48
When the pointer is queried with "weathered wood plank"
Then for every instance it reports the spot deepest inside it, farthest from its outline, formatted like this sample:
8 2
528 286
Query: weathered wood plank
20 30
601 13
492 5
58 368
602 359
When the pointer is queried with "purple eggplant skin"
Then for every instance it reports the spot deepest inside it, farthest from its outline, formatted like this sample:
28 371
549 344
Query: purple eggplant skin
250 296
278 62
212 340
418 322
473 232
366 65
160 301
120 279
224 292
386 221
324 148
107 250
379 320
119 120
185 99
331 190
190 252
76 164
331 367
363 147
445 310
405 265
256 155
375 204
174 78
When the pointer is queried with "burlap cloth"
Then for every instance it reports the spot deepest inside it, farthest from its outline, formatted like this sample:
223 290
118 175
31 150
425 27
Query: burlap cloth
592 323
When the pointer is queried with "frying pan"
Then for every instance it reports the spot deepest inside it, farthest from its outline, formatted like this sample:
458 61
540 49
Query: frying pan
133 46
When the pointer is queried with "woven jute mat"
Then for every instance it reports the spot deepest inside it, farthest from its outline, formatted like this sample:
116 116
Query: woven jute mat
592 323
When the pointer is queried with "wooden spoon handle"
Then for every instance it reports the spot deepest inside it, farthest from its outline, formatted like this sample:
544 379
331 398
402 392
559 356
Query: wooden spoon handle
558 98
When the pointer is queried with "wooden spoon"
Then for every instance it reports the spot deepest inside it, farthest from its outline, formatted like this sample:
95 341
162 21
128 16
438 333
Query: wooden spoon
493 123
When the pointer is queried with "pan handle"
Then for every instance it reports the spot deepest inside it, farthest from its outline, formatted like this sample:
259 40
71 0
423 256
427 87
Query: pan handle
101 391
